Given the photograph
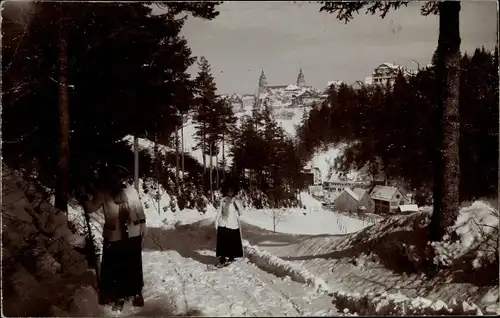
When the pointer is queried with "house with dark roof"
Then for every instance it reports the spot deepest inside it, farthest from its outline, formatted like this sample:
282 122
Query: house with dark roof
388 199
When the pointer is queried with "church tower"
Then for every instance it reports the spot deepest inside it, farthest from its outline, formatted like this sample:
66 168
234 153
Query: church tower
301 82
262 86
262 82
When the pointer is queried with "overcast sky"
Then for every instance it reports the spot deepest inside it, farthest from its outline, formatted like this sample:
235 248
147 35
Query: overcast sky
282 37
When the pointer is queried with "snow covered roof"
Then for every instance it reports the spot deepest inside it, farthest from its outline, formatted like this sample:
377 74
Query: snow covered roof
336 177
390 65
408 208
276 86
383 193
263 95
352 194
292 87
359 192
235 98
336 83
358 83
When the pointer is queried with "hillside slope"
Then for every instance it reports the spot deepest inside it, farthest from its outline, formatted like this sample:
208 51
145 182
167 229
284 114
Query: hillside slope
392 258
42 273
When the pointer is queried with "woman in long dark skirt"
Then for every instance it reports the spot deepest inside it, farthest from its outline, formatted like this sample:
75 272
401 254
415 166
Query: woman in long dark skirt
229 242
125 226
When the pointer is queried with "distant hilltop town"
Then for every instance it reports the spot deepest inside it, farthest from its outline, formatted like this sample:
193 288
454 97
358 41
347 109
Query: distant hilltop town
300 94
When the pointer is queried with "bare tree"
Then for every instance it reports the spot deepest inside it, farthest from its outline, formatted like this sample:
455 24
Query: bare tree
278 215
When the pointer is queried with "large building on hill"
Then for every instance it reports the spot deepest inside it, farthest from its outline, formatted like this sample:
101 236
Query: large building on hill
286 95
386 73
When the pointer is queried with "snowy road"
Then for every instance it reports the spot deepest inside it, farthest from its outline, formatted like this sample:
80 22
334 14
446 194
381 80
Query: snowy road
180 280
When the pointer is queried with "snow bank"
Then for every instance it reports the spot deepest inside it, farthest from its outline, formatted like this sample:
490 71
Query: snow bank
157 204
477 230
399 304
41 269
190 216
282 268
311 221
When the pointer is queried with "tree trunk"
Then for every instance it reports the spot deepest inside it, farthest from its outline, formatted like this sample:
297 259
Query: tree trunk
223 158
157 173
210 172
182 149
217 177
177 160
61 193
446 161
203 149
274 220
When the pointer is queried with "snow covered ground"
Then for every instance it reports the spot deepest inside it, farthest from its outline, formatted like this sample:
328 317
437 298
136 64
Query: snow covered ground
290 125
372 270
313 220
178 258
307 264
300 221
179 275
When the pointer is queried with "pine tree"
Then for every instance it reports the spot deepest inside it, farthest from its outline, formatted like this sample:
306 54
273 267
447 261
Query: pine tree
152 75
205 100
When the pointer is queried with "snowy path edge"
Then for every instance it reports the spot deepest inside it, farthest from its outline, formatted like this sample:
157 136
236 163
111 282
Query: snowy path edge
280 267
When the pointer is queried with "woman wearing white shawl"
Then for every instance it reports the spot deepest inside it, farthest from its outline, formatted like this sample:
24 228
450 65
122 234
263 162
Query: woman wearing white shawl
227 223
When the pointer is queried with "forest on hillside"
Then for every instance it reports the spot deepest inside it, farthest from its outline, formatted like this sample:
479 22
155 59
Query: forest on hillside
394 128
69 103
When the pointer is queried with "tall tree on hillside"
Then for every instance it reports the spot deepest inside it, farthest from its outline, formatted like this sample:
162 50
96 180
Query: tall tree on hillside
227 128
153 75
61 193
204 102
446 160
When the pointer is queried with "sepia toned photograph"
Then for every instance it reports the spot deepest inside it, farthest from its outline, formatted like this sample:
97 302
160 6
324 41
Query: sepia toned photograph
249 158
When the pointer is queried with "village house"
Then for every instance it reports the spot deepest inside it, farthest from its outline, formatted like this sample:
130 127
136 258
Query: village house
279 96
354 201
305 98
316 191
347 201
365 202
336 183
236 103
387 199
336 84
356 85
385 73
248 100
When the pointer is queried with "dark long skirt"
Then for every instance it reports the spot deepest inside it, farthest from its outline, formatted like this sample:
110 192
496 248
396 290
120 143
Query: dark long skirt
228 243
121 269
